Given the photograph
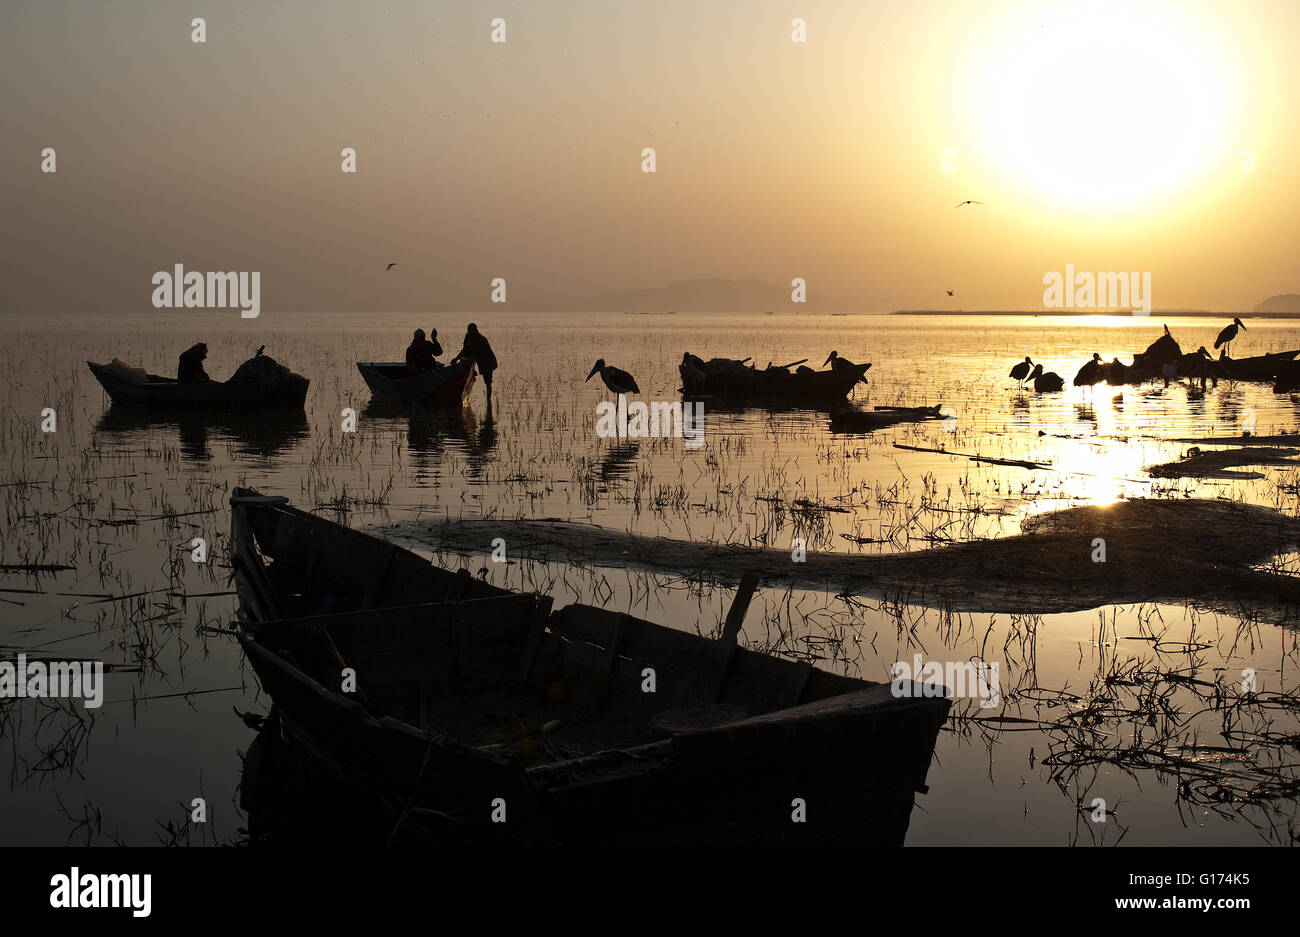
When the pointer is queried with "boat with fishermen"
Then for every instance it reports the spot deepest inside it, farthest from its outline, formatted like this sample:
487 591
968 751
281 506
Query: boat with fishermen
397 383
736 380
259 382
470 705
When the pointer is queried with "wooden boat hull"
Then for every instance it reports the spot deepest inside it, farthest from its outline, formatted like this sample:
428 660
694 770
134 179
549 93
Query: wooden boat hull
392 381
1259 368
160 391
719 753
819 389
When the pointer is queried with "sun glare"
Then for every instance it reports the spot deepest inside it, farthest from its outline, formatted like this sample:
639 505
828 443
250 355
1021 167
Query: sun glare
1098 106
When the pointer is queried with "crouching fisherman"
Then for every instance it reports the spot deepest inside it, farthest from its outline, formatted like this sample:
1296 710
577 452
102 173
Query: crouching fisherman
190 369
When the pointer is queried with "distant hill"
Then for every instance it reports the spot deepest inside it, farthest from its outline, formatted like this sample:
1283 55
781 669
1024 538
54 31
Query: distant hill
709 295
1282 302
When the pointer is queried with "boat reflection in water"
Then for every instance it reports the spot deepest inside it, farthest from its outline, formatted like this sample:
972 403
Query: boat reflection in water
261 431
429 432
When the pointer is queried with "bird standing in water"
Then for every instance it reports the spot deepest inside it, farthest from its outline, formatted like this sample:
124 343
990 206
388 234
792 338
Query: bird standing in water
616 379
1046 383
1021 371
1228 334
1090 373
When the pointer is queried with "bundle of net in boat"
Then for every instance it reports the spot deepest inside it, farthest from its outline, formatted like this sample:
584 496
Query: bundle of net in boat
264 372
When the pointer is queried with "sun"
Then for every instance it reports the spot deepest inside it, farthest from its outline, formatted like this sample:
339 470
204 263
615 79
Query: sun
1102 105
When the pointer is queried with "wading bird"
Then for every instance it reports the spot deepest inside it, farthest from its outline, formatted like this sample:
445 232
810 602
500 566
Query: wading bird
1198 364
1021 371
969 201
616 379
1228 334
1090 373
843 364
1046 383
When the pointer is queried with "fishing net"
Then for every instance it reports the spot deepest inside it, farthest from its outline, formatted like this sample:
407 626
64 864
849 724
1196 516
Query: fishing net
265 373
127 372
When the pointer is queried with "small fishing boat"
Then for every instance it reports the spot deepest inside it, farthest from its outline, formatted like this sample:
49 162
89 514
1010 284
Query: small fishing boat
729 380
478 716
853 420
260 382
394 381
1261 368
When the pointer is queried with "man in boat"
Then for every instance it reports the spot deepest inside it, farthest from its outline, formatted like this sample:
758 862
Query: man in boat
421 352
477 349
190 369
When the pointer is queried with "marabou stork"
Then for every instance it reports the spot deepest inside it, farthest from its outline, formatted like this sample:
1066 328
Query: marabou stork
616 379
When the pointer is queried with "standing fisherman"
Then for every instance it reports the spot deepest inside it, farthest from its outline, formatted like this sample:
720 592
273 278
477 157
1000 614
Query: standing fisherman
477 349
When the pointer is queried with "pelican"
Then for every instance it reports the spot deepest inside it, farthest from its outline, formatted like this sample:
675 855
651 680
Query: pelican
1046 383
1198 364
1090 373
1021 371
617 380
969 201
844 364
1228 334
692 366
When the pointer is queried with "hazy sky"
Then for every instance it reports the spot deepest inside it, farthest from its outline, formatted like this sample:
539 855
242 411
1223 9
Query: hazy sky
1109 136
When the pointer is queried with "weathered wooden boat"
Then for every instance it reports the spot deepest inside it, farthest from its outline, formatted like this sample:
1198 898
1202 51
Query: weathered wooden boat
728 380
395 382
853 420
477 717
274 386
1260 368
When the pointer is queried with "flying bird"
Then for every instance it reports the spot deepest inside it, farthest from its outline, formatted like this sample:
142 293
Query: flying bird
616 379
969 201
1228 334
390 266
949 292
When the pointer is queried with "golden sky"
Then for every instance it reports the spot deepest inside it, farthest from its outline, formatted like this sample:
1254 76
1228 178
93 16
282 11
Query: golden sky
1107 135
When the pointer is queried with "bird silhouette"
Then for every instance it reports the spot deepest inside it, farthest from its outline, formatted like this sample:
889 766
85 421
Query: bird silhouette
949 292
1046 383
1228 334
1021 370
969 201
844 364
616 379
390 266
259 352
1090 373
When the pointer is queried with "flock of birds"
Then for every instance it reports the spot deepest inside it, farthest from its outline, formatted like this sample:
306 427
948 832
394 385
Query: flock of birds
1198 364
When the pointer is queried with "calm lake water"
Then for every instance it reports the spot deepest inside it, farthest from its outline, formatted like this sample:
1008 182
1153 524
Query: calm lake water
121 498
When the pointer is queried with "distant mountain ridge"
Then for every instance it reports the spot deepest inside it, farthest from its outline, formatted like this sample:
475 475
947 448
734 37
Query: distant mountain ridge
706 295
1282 302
